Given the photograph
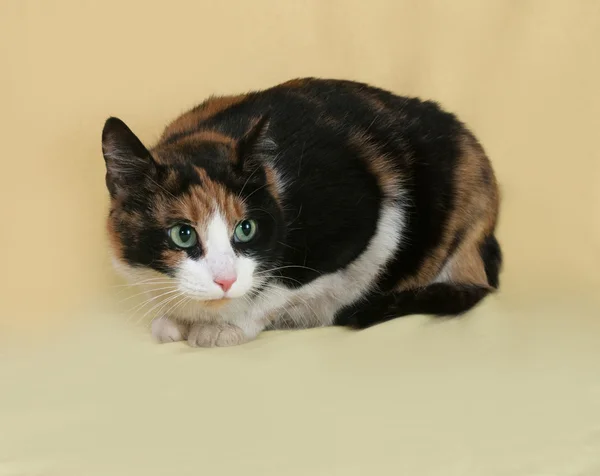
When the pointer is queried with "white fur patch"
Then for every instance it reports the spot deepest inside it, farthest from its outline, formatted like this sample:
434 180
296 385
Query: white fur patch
197 277
445 274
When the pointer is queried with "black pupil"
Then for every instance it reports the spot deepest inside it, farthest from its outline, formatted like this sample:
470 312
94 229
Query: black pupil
185 233
246 227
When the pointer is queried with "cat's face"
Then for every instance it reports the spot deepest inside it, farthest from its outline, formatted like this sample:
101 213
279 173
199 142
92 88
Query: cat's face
194 214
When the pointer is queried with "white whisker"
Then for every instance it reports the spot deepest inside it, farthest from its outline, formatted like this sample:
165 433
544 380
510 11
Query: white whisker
143 292
148 301
160 305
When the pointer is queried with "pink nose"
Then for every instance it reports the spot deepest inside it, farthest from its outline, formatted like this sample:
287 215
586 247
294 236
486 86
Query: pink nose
225 283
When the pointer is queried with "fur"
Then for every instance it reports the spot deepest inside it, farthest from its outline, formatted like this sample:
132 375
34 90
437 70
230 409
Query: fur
366 205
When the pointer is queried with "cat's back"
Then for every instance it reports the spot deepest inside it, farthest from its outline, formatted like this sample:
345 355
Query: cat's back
324 128
338 108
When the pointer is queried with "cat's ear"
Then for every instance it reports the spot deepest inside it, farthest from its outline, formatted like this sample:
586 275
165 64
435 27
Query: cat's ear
252 143
128 162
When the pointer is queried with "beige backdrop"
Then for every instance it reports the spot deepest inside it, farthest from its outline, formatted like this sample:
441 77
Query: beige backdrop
513 389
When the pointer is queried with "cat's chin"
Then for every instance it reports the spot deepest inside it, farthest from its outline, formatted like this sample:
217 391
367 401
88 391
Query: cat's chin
199 309
215 303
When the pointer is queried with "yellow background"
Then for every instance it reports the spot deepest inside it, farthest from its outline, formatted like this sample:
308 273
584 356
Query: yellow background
513 389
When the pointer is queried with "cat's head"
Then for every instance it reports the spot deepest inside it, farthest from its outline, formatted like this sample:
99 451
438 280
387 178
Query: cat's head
200 213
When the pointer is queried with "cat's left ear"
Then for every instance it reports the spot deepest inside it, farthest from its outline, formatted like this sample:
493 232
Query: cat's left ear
252 144
128 162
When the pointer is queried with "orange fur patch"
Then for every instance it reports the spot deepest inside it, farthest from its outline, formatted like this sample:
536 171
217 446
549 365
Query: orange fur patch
215 303
272 184
114 241
295 83
476 203
191 120
378 164
210 136
200 203
173 258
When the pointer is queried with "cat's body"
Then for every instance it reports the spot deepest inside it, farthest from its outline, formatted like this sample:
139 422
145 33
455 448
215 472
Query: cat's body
315 202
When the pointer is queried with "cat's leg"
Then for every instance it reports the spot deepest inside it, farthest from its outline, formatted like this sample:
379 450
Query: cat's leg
199 334
299 316
165 329
224 334
439 299
204 334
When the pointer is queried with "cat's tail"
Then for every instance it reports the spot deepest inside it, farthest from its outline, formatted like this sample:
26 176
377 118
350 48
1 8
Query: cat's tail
439 299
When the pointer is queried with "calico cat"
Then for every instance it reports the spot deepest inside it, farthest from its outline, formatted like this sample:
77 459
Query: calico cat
313 203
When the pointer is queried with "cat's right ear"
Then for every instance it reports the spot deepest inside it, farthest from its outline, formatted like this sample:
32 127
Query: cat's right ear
128 162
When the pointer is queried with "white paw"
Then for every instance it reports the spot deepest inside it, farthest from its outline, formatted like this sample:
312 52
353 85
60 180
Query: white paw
216 335
166 330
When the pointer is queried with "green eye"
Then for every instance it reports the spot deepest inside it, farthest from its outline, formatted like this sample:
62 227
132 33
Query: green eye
245 231
183 236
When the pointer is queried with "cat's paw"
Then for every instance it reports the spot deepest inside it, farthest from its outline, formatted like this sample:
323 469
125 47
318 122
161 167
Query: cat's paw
167 330
216 335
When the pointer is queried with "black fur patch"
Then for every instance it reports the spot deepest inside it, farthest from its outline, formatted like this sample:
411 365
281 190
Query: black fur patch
438 299
144 247
491 254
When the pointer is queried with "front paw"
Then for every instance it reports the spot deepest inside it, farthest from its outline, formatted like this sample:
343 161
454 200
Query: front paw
216 335
168 330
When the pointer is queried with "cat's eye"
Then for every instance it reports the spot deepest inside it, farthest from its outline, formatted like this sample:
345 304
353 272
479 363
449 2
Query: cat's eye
245 231
183 236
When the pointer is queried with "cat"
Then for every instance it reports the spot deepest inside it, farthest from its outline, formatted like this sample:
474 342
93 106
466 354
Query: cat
315 202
